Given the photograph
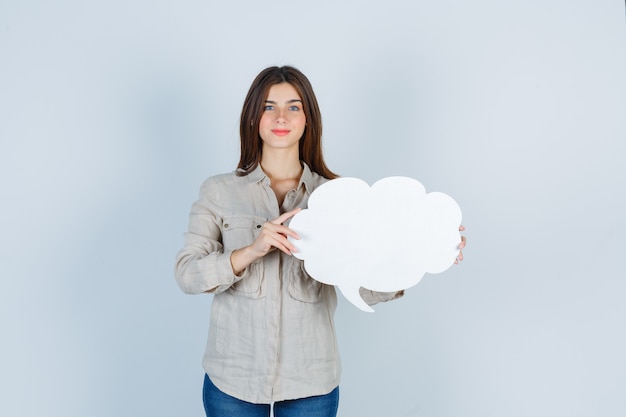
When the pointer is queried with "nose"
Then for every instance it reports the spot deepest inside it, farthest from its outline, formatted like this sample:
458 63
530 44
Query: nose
280 116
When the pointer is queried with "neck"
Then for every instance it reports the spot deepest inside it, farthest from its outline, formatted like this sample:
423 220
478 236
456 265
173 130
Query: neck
281 167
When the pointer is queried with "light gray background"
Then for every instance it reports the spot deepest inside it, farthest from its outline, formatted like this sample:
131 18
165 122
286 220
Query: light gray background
113 112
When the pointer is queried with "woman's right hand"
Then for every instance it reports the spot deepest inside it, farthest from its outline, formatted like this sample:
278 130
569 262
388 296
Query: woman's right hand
274 235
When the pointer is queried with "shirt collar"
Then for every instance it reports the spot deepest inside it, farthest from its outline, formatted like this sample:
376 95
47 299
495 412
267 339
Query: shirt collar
306 179
257 175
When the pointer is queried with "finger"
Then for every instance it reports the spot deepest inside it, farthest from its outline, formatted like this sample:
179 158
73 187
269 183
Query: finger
458 258
279 238
461 228
282 244
285 216
281 230
463 242
270 244
278 227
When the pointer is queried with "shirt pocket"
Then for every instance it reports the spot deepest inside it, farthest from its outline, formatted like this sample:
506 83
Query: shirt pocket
237 232
301 286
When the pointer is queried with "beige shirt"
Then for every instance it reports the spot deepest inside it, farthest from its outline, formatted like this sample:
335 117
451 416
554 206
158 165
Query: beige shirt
271 334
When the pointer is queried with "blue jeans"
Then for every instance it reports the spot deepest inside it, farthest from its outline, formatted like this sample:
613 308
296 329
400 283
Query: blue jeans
219 404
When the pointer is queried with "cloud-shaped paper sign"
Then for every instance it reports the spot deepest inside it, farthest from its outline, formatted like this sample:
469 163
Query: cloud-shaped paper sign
383 238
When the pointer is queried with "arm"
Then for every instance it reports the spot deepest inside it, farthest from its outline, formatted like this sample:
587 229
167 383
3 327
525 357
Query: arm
202 265
375 297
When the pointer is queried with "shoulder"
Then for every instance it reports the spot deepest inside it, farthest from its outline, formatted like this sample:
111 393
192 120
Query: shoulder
317 179
312 179
217 184
218 179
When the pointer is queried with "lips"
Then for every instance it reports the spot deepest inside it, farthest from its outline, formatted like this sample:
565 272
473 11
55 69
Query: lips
280 132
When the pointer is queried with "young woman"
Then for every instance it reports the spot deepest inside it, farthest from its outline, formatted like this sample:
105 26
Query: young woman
271 335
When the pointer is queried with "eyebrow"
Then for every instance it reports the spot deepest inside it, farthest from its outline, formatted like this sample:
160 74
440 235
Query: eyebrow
295 100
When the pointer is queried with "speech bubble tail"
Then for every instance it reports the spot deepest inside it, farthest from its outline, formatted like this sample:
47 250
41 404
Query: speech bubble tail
352 294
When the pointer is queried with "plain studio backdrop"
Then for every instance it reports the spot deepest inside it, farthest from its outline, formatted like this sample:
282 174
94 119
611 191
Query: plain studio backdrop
112 113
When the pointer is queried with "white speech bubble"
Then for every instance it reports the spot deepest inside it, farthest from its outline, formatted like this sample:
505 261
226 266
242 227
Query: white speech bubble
383 238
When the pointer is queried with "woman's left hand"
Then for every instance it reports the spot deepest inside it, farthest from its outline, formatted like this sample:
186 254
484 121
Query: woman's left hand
461 245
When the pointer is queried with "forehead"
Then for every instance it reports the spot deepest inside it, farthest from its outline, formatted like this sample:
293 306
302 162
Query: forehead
283 92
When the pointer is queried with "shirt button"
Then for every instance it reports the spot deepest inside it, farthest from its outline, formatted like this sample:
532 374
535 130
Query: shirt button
258 226
226 225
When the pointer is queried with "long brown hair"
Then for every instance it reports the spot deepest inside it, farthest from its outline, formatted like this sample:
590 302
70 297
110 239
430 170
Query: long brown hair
311 141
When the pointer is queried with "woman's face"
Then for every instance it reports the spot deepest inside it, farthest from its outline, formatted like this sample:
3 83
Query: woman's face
283 121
